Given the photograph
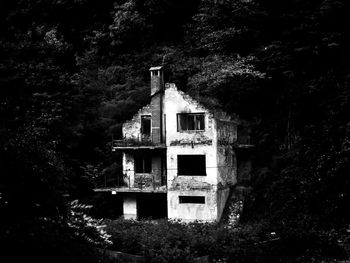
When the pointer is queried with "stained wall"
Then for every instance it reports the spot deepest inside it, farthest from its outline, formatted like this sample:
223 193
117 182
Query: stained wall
215 142
132 128
195 143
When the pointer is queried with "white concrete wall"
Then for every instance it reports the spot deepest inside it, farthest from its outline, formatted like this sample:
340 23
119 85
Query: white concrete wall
177 102
191 212
211 164
128 169
188 142
129 206
195 143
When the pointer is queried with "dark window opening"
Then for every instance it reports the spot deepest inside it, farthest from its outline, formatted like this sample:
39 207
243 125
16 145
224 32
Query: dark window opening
191 165
146 208
190 121
146 125
143 164
191 199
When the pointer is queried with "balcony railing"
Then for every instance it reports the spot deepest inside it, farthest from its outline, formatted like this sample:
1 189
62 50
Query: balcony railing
141 141
147 181
139 183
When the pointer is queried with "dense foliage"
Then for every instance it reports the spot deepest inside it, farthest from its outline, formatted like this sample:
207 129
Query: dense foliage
173 241
72 71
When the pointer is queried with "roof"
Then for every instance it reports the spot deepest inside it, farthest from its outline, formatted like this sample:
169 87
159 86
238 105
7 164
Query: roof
156 68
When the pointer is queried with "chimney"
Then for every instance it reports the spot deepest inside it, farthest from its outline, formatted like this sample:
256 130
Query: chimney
157 91
157 80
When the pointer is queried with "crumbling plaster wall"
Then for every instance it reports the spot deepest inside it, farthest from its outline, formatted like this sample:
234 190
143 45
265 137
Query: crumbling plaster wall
132 179
128 169
132 128
222 195
213 142
226 160
157 169
226 157
227 131
175 102
191 212
190 142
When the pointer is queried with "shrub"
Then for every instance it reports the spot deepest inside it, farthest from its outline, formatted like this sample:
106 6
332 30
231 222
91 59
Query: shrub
175 241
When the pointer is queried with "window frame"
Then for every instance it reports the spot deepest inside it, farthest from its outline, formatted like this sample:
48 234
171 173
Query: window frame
178 116
146 116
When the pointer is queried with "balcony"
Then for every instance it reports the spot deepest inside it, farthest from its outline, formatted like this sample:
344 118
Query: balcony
142 142
138 183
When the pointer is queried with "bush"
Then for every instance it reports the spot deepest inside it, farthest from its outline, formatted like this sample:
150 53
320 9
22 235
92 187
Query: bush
175 241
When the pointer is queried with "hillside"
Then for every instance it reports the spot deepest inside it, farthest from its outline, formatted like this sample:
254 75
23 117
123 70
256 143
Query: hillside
71 72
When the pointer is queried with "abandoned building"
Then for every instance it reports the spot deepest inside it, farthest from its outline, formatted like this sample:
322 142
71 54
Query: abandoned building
178 157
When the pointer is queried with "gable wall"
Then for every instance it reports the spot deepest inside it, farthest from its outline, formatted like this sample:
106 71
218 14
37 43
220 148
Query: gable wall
188 142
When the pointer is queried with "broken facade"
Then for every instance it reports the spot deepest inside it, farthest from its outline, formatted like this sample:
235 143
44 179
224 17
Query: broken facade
177 147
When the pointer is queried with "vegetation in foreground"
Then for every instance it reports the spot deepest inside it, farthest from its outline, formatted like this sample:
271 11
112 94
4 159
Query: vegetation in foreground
174 241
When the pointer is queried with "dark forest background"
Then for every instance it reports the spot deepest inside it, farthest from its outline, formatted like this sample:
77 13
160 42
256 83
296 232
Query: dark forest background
72 71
